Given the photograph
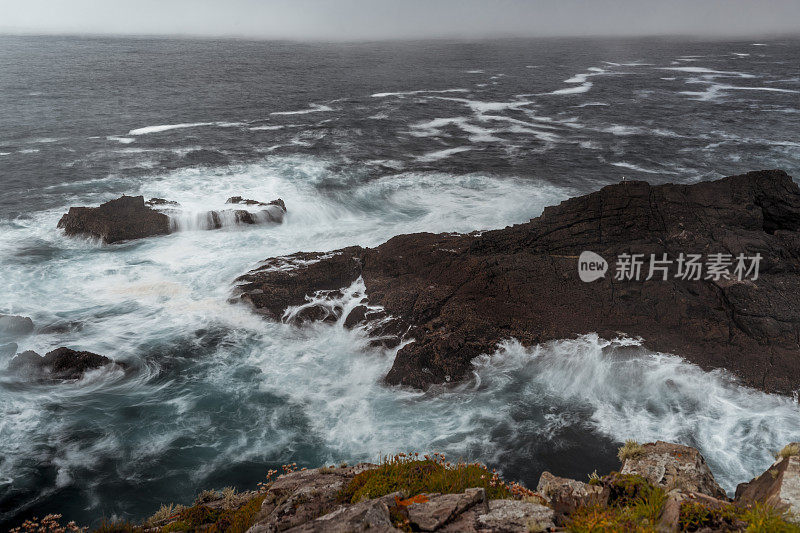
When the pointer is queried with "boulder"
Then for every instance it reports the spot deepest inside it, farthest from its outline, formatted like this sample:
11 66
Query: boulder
457 296
370 515
300 497
515 516
565 495
118 220
778 486
436 510
60 364
674 466
12 326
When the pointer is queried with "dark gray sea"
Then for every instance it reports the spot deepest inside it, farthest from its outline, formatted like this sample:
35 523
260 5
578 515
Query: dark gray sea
363 141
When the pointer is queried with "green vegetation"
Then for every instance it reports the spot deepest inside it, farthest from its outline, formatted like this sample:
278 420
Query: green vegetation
762 518
432 473
630 450
788 451
633 505
165 512
217 520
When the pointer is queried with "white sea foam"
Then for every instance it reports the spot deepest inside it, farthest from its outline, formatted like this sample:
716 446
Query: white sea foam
710 72
442 154
422 91
314 108
591 104
121 140
167 127
267 128
631 166
715 91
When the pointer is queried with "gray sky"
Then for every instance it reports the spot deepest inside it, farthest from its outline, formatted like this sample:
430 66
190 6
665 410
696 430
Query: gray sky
389 19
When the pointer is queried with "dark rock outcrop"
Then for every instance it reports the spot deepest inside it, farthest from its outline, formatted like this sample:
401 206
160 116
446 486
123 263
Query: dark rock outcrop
247 201
457 296
130 217
122 219
157 202
59 364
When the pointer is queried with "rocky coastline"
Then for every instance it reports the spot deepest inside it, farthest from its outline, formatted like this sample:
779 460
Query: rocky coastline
660 487
444 299
457 296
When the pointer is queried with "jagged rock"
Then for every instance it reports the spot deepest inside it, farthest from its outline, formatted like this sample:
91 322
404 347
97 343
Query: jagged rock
457 296
778 486
247 201
61 363
152 202
566 495
282 282
12 326
300 497
672 466
370 515
357 315
441 509
122 219
515 516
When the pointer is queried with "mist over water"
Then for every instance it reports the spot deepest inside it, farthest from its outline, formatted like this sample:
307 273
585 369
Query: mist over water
382 140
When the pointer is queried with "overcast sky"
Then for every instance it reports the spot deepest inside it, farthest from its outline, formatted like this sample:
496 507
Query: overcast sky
391 19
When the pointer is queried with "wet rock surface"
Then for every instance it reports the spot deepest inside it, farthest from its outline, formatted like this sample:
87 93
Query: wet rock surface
122 219
59 364
457 296
130 217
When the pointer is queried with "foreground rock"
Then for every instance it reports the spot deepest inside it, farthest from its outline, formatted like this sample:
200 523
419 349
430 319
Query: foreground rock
130 217
59 364
566 496
673 466
779 486
369 497
457 296
122 219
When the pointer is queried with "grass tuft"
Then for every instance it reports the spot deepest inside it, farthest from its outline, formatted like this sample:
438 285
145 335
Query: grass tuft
432 473
166 512
630 450
788 451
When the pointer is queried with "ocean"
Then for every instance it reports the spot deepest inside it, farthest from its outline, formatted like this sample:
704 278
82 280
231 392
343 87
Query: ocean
363 141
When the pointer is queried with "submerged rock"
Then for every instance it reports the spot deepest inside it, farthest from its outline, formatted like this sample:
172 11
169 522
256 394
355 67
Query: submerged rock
12 326
60 364
122 219
779 486
458 296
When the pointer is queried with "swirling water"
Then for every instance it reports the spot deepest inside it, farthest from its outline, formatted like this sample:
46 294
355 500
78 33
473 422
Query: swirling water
363 142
